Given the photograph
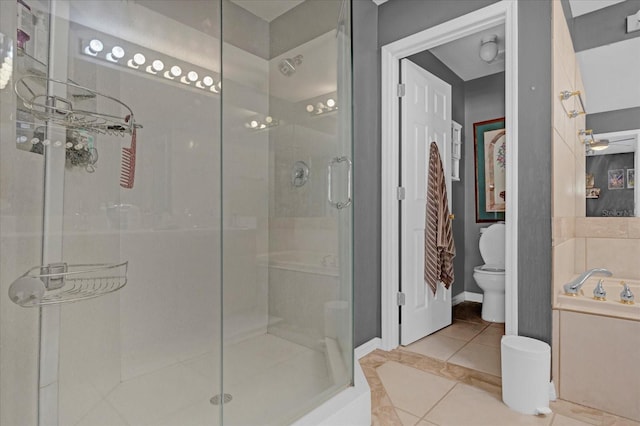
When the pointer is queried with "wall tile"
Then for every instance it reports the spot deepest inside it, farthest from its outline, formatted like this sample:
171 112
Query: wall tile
620 256
563 265
563 229
634 227
580 255
563 179
601 227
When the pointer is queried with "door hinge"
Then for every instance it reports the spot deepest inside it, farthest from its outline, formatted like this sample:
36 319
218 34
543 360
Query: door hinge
401 299
401 90
401 193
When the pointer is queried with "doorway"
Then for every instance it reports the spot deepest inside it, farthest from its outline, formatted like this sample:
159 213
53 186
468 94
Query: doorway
504 13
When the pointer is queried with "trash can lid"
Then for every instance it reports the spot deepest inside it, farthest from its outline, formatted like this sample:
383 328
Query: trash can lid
525 344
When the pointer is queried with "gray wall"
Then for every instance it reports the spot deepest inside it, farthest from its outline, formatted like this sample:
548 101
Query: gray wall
366 169
399 18
534 169
429 62
484 100
611 202
614 121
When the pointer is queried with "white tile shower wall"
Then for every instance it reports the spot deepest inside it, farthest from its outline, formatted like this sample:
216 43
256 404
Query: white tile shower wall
89 364
169 309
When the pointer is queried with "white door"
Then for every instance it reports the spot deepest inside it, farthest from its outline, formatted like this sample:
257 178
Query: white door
426 117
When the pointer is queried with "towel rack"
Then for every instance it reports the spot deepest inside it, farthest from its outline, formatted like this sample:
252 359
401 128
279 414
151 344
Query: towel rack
566 94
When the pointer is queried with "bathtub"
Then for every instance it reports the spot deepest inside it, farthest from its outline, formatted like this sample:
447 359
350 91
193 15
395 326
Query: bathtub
612 307
595 352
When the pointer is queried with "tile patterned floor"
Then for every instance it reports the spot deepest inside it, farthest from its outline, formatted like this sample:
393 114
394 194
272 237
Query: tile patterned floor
452 378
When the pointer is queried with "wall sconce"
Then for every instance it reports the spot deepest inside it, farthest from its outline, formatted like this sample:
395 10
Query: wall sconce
258 124
590 142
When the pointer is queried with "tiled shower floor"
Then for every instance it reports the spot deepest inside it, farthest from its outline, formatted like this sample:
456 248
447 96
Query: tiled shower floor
266 375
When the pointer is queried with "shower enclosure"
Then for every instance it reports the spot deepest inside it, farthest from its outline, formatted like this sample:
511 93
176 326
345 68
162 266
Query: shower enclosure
175 211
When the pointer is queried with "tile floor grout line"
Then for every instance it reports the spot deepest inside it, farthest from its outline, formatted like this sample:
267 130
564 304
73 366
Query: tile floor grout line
438 402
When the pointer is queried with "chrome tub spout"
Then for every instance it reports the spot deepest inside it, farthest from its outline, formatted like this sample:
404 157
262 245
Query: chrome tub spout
574 286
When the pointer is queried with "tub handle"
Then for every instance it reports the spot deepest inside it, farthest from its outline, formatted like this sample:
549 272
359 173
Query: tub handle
337 160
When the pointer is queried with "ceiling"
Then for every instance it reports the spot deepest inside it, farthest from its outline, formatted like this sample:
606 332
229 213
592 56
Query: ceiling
462 56
582 7
267 9
609 72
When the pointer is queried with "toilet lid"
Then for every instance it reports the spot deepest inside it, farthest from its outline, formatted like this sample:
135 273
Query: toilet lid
492 242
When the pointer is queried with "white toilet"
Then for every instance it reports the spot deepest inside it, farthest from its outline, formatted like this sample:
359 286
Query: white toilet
490 276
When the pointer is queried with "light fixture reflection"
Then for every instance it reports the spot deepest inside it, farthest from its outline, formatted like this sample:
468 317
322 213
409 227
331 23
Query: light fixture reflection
94 47
116 54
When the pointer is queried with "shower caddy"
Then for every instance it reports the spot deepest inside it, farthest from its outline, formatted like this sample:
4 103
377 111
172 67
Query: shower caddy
58 283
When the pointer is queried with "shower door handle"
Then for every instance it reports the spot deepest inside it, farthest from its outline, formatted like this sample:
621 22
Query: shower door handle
334 161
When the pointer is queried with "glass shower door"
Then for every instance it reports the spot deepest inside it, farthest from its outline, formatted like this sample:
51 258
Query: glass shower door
286 171
115 114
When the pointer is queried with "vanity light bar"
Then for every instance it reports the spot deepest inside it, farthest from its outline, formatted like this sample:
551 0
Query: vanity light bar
322 107
152 63
261 124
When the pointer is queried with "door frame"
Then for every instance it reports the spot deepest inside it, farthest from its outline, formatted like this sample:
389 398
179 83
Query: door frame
503 12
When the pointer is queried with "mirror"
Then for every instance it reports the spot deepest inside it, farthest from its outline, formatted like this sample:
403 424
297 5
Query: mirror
611 162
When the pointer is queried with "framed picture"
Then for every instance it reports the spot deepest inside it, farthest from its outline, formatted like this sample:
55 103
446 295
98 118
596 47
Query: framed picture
593 192
489 148
616 179
631 178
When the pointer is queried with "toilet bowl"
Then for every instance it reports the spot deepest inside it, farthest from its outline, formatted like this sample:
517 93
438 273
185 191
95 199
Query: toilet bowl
490 276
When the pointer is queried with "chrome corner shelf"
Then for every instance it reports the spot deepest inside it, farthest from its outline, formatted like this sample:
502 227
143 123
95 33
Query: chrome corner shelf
30 90
59 283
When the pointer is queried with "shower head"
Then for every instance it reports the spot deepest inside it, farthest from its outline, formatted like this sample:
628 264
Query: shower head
287 66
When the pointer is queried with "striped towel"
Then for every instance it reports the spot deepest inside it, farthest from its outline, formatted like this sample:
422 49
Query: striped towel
439 248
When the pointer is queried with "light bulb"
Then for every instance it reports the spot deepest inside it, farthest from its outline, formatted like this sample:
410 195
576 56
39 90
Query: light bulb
138 59
95 46
158 65
116 54
331 103
192 76
207 81
155 67
253 124
268 119
175 71
489 48
310 108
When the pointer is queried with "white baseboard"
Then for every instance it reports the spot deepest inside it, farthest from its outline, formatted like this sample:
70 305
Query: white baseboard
466 296
367 347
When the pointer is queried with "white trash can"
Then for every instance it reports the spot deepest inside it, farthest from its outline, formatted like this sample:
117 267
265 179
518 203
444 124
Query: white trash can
526 366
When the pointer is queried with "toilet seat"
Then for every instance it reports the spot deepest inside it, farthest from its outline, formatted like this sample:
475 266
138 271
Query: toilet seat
489 269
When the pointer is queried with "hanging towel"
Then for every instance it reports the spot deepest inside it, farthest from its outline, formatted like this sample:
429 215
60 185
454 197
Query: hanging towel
439 248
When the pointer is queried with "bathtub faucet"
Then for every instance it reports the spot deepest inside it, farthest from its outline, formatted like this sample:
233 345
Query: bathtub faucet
573 287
